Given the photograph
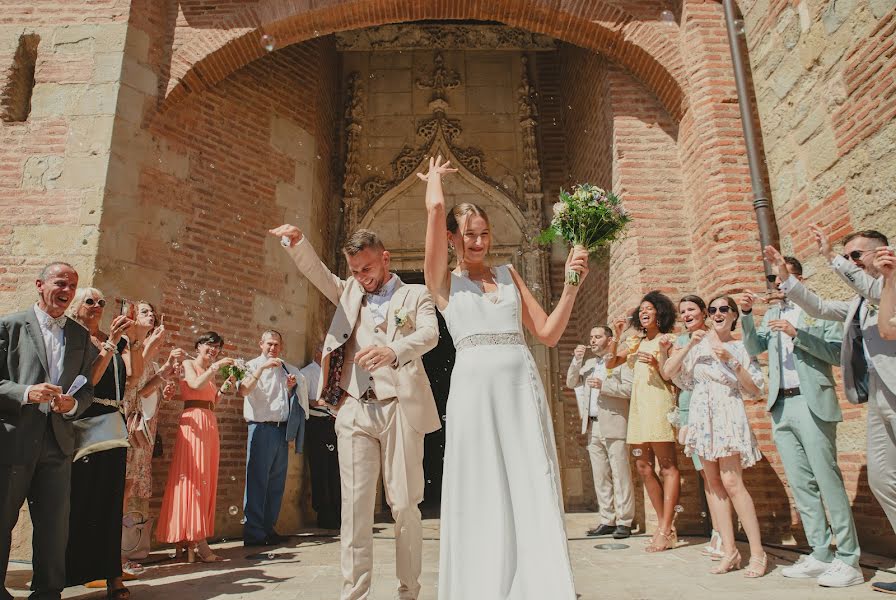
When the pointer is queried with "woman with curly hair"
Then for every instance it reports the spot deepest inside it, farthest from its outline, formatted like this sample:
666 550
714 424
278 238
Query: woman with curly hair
650 433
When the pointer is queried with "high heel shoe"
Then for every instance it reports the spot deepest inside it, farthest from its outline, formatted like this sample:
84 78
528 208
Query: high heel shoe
714 549
757 566
205 554
663 541
730 562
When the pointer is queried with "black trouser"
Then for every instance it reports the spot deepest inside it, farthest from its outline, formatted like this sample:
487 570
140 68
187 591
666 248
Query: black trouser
326 497
43 480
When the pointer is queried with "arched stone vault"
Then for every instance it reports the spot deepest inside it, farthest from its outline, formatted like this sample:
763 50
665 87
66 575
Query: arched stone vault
205 56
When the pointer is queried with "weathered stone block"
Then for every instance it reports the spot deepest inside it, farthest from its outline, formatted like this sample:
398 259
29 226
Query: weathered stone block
75 39
42 172
836 13
785 76
290 139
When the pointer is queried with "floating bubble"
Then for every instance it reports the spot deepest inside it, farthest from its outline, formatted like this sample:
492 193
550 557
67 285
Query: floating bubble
331 447
739 27
667 17
85 460
243 521
271 556
679 508
316 33
702 515
232 478
268 42
233 510
637 452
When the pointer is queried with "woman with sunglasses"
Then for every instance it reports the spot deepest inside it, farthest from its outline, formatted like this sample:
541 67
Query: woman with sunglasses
93 553
720 374
693 314
650 433
187 516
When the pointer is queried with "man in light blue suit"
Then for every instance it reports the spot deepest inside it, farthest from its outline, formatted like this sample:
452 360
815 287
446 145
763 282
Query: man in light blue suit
868 361
805 412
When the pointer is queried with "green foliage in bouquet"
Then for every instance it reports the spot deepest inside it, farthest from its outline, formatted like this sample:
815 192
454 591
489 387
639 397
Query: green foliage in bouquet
589 217
237 371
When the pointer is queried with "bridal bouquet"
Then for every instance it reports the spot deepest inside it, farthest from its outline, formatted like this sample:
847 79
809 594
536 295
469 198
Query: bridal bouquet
231 373
588 218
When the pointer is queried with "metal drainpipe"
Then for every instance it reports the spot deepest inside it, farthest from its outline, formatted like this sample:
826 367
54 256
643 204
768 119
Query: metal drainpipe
768 228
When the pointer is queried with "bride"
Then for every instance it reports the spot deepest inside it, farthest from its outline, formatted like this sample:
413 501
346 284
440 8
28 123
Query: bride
502 531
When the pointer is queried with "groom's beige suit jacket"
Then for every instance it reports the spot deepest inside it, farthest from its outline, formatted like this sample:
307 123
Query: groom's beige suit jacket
352 326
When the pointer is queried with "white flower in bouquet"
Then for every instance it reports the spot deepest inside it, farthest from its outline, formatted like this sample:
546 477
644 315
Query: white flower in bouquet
589 218
231 373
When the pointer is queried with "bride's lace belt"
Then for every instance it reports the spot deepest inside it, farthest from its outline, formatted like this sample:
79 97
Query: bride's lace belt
490 339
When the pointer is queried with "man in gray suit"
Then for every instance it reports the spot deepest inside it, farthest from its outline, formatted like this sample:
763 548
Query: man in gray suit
603 407
867 360
41 354
805 412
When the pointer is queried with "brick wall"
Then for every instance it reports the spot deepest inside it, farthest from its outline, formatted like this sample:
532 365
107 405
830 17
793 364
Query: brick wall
823 75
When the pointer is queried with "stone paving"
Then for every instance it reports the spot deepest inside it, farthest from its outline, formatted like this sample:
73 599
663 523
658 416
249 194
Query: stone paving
307 568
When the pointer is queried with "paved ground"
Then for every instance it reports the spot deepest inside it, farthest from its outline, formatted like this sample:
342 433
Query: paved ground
307 569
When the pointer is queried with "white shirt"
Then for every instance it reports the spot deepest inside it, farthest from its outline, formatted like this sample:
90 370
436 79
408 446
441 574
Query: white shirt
599 371
790 312
378 304
311 371
54 343
269 399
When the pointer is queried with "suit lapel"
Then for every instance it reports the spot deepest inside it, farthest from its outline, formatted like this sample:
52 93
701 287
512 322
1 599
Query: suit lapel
74 348
342 326
398 298
33 327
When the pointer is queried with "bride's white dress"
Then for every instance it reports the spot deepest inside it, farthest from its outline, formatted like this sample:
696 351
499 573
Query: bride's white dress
502 530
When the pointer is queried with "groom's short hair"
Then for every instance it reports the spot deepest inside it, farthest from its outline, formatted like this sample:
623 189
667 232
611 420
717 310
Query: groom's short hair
361 240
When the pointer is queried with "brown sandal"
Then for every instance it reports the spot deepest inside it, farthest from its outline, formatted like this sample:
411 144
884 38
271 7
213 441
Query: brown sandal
121 593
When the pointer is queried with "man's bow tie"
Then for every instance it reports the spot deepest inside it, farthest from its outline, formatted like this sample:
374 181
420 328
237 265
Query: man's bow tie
378 293
58 322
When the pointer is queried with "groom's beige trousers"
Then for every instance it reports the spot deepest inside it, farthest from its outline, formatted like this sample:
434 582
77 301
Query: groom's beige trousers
371 434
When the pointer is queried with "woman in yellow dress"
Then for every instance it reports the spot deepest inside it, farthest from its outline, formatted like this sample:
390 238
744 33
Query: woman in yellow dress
650 434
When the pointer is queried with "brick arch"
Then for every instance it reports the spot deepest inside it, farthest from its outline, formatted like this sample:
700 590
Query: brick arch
206 56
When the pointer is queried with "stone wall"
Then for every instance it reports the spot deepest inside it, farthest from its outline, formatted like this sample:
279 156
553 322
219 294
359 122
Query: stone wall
823 74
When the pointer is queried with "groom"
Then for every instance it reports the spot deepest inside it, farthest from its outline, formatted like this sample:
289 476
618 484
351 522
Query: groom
372 374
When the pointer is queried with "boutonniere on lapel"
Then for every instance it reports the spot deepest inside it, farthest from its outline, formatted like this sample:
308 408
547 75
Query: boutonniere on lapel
810 321
872 309
401 316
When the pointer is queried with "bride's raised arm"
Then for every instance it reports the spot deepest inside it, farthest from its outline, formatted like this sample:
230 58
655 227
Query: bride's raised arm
435 260
549 328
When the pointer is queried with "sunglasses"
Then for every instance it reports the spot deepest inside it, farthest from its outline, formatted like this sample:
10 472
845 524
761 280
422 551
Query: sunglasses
854 255
90 302
771 277
722 309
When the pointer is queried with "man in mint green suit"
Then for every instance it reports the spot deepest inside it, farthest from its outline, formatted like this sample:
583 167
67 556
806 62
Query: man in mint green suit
805 412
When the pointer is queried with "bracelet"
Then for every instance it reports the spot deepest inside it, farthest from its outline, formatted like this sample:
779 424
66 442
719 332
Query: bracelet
137 344
110 347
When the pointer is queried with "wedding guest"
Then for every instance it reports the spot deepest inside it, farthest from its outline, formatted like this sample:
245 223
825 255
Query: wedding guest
187 516
805 412
649 431
97 487
41 354
604 414
885 263
867 361
268 389
718 371
326 496
693 314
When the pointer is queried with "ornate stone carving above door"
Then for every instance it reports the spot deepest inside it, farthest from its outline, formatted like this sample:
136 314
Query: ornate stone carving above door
447 37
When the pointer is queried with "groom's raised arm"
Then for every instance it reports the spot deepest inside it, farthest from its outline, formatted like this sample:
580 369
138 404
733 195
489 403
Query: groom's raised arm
425 336
310 265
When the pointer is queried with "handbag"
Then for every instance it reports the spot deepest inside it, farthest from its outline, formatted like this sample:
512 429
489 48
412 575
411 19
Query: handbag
138 431
102 432
135 535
